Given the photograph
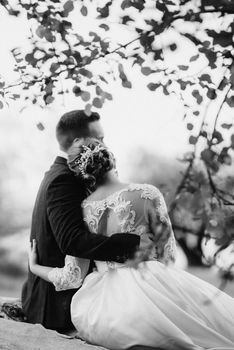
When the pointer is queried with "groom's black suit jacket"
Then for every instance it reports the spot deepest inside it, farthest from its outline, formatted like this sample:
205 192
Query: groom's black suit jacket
58 227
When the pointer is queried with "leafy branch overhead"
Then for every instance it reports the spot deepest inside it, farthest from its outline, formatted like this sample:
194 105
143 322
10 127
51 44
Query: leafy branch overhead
61 59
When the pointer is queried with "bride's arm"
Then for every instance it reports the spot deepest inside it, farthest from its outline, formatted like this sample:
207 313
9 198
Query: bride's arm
67 277
160 225
35 268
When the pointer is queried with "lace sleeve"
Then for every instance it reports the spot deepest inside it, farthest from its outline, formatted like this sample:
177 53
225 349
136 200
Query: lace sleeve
160 225
67 277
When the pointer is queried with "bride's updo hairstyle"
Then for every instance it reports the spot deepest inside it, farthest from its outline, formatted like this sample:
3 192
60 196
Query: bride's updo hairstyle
90 159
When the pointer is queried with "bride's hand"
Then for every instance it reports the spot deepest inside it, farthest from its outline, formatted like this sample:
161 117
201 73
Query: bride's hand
32 254
146 242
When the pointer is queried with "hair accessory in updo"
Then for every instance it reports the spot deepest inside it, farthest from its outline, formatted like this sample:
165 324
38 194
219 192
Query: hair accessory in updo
90 159
82 161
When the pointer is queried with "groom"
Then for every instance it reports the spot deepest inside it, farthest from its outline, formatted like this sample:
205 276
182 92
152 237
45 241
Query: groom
58 227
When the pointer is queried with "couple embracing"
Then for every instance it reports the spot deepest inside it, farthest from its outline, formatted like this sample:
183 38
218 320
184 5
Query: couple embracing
86 227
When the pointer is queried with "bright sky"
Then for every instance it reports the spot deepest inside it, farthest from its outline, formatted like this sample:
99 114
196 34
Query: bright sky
137 115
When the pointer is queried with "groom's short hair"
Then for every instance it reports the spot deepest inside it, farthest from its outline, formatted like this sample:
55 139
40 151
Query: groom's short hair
73 125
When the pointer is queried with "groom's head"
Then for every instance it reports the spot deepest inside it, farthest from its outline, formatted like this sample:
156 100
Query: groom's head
75 125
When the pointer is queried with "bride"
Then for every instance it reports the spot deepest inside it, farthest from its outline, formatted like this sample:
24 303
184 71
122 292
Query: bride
153 304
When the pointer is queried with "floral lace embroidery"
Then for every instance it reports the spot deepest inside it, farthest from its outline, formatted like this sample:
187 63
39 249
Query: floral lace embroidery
67 277
169 253
152 193
140 230
121 207
126 215
148 191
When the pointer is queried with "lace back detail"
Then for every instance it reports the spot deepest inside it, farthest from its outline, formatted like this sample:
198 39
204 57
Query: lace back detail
125 212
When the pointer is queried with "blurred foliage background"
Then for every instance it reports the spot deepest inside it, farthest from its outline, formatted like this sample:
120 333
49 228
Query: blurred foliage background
161 73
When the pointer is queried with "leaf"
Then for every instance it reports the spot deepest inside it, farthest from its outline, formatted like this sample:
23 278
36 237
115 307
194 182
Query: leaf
165 91
232 141
193 140
49 99
226 126
206 77
68 6
108 96
197 95
125 4
126 19
31 59
104 26
224 157
87 110
190 126
194 58
84 10
138 60
1 105
168 2
217 137
77 90
146 40
196 113
85 95
211 94
85 72
103 79
209 157
54 67
182 67
104 11
49 36
127 84
139 4
173 47
146 71
40 126
232 75
153 86
230 101
99 90
16 96
158 55
40 31
203 134
97 102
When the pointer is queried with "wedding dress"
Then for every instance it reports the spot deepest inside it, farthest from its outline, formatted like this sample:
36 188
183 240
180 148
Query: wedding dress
155 305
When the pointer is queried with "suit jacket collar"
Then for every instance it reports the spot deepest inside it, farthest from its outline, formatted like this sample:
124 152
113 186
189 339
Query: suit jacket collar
60 160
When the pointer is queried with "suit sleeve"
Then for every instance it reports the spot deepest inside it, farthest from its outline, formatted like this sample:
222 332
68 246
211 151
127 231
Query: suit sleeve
65 216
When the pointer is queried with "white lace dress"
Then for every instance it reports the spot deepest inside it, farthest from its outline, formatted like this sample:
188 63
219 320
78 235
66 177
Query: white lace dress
156 305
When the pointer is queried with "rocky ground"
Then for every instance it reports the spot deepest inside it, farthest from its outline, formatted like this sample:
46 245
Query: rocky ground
23 336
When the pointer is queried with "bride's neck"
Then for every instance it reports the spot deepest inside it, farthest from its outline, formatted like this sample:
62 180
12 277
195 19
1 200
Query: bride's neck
111 178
